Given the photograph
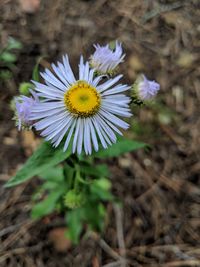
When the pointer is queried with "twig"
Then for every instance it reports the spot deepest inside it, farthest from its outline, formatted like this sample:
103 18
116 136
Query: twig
18 251
10 229
113 264
192 262
120 234
15 236
161 9
109 250
145 248
14 198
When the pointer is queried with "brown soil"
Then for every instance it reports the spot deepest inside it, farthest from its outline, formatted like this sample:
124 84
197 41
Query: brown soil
159 188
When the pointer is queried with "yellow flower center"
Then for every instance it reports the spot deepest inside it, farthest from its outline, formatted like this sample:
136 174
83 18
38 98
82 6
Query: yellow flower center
82 99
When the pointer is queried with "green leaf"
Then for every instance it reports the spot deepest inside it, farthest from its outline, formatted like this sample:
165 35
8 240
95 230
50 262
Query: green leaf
103 184
53 174
36 74
94 215
13 44
75 224
46 206
24 88
68 173
8 57
43 158
5 74
112 45
101 190
123 145
50 185
100 170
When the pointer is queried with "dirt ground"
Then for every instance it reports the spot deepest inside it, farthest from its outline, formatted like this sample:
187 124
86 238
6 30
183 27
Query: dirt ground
159 224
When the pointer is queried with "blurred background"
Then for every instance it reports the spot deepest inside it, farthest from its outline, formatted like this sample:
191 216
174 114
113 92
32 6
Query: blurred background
159 188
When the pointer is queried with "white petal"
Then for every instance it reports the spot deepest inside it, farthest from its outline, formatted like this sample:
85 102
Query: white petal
45 88
43 123
96 80
81 69
37 116
108 84
86 72
80 137
39 107
49 77
58 138
51 96
49 134
117 89
114 109
76 135
124 102
87 138
99 132
56 127
59 73
91 75
69 135
93 135
111 125
114 119
68 71
107 129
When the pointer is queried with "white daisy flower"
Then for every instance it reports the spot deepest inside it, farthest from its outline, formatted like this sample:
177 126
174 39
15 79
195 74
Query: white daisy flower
84 110
105 60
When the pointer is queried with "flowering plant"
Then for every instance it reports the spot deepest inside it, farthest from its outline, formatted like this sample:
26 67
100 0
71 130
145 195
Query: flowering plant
81 120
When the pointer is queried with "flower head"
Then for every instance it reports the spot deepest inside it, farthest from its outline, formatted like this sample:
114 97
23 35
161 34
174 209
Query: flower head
24 107
105 60
147 89
74 199
85 110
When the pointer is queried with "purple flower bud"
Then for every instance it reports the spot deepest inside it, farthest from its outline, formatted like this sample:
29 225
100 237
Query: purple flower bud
24 106
147 89
105 60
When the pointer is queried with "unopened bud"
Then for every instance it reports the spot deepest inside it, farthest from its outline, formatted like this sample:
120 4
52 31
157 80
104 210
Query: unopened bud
73 199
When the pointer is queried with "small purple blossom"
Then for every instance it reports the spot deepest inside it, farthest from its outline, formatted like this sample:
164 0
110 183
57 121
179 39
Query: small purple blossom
147 89
24 106
105 60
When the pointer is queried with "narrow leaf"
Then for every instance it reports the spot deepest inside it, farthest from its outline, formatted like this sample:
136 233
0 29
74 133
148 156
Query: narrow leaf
8 57
100 170
74 222
43 158
53 174
35 74
46 206
13 44
122 146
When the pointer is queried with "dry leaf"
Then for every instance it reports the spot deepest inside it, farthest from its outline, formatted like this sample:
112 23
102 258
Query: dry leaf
95 262
185 59
9 141
29 6
135 63
59 240
29 141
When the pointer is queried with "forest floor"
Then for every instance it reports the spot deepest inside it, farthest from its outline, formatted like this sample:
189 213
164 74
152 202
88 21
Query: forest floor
160 188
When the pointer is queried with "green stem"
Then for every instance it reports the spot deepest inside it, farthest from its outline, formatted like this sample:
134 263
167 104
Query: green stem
77 178
69 177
